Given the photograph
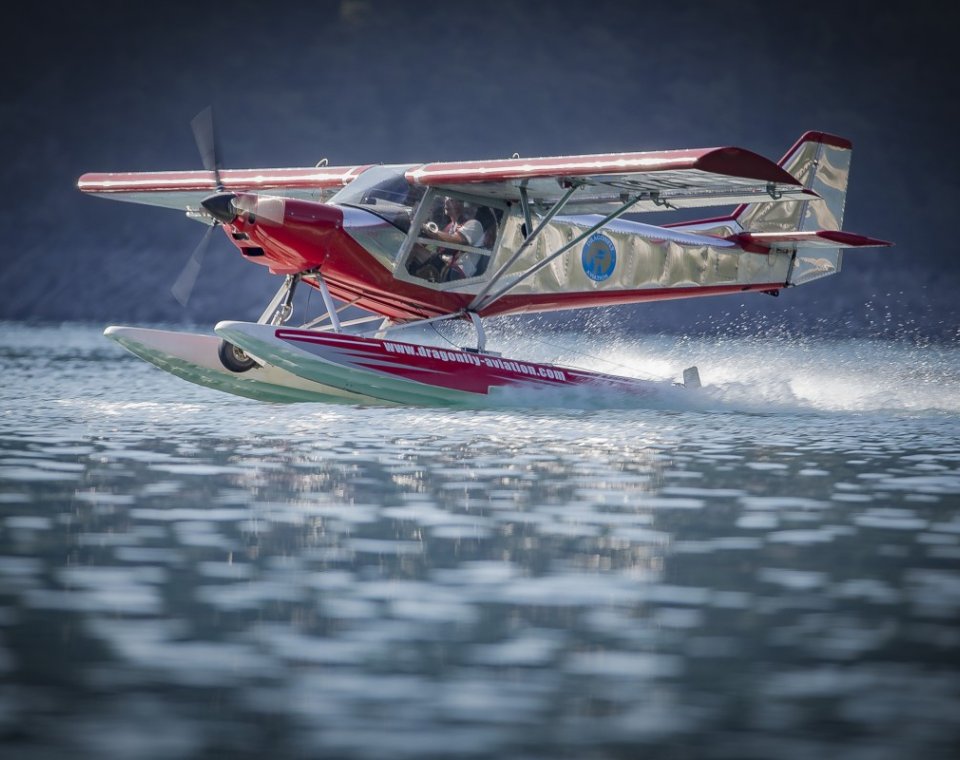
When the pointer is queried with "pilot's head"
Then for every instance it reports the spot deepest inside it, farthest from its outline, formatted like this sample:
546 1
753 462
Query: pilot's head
453 207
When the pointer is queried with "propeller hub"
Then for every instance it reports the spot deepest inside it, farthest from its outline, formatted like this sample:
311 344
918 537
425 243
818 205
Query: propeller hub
221 207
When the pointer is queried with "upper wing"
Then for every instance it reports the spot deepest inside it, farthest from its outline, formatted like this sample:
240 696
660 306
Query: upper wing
184 190
665 179
676 178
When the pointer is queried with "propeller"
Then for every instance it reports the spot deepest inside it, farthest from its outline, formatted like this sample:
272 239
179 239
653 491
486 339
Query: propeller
183 287
219 205
205 134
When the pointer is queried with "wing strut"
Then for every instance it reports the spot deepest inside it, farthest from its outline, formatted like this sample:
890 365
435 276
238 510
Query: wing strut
481 302
552 212
525 205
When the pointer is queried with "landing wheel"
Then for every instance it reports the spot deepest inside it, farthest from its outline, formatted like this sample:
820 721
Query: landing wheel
233 358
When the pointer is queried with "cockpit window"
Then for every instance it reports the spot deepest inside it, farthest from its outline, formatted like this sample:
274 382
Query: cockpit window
456 241
454 238
384 191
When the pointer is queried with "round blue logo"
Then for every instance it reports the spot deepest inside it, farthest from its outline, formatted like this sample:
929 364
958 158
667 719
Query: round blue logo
599 257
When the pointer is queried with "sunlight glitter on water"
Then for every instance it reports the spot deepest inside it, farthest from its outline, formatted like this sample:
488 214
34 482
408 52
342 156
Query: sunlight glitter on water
355 582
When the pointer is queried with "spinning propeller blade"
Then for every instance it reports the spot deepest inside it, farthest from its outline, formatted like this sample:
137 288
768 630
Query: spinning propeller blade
205 133
217 205
183 287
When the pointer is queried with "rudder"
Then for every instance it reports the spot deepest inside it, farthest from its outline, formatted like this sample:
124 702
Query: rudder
821 162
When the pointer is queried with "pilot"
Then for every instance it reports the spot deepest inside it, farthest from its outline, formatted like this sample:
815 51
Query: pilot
462 230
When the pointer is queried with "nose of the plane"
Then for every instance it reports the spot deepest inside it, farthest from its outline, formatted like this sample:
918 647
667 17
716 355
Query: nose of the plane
286 234
221 206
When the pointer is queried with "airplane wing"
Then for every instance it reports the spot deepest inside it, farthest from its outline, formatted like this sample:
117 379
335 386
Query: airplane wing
184 190
665 179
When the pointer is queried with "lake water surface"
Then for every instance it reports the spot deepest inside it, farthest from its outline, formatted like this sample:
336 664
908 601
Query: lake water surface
777 575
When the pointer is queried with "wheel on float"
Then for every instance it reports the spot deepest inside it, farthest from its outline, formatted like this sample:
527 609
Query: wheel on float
233 358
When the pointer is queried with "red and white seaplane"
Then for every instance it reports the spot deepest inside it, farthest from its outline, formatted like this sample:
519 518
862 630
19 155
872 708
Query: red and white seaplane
412 244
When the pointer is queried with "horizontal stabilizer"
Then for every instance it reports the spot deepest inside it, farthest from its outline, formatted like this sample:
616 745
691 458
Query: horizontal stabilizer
762 242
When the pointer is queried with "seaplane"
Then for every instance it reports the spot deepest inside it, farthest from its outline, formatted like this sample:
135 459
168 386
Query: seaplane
410 245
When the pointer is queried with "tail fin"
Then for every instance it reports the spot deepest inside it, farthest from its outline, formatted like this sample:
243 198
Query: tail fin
822 163
804 236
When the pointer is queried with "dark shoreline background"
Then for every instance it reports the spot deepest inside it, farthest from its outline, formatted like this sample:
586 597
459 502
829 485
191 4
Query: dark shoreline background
112 87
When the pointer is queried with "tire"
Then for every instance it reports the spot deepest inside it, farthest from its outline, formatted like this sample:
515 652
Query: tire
234 358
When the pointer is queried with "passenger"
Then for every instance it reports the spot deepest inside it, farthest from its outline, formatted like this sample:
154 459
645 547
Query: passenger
488 221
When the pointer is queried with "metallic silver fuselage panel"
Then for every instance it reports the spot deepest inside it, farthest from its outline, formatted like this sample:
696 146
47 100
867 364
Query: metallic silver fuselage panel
824 169
640 263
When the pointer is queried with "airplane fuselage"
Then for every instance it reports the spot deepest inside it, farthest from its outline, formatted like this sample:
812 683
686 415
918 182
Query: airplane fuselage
363 260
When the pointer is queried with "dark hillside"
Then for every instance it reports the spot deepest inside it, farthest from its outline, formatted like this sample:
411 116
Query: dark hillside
112 86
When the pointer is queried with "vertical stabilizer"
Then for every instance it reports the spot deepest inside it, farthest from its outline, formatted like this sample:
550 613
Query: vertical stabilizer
822 163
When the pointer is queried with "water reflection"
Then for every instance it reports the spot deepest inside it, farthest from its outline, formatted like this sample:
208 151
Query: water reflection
188 577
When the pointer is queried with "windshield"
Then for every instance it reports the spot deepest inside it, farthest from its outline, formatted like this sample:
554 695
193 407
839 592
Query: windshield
384 191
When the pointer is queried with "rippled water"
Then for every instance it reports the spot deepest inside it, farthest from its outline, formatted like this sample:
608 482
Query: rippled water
187 574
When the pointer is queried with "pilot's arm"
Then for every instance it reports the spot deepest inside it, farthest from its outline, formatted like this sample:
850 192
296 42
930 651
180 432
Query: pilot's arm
469 233
444 237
